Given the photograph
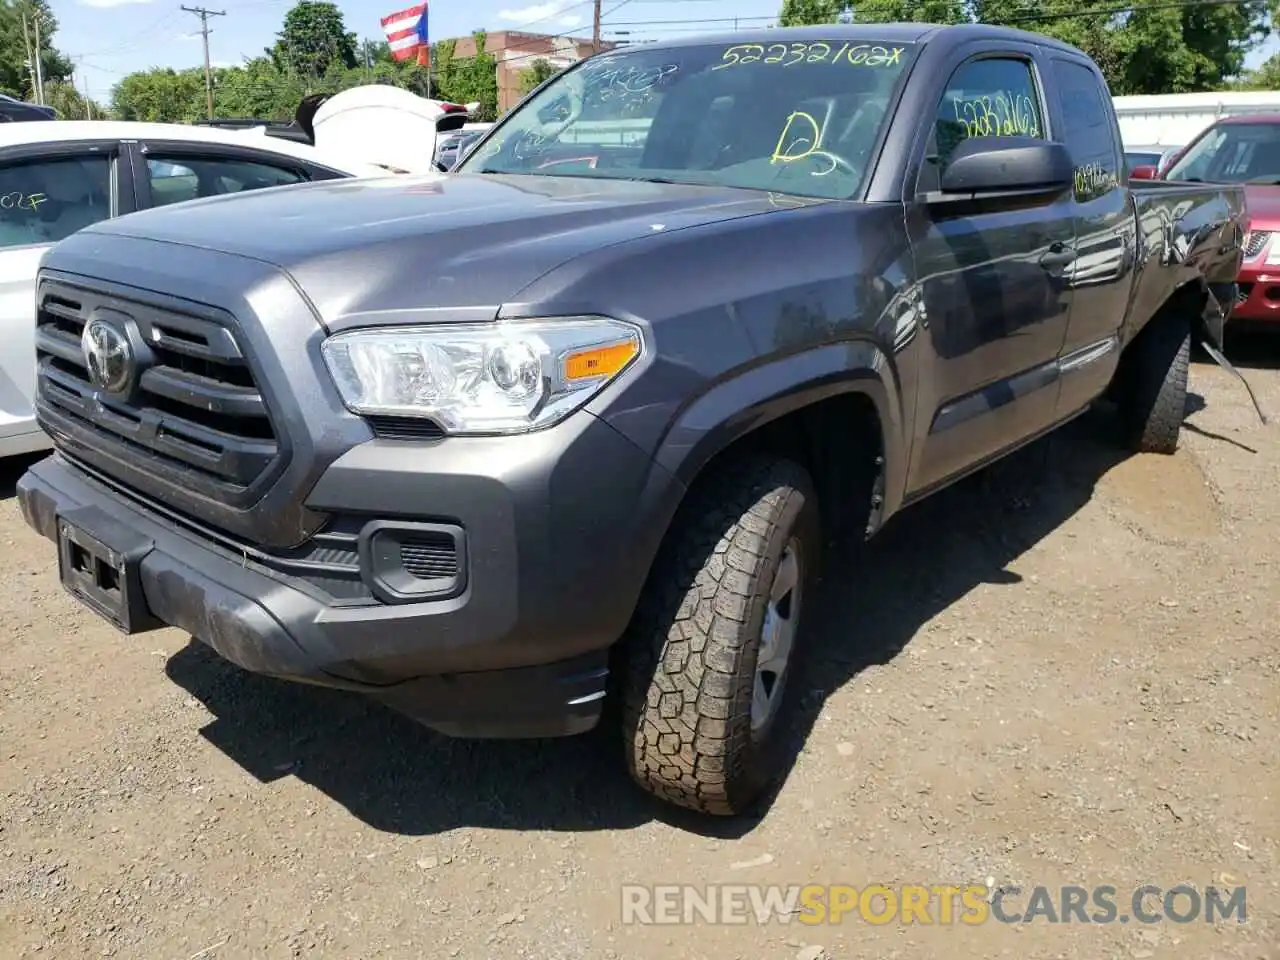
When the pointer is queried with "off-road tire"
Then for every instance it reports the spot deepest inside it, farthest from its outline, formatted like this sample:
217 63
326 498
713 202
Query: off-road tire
1152 386
691 647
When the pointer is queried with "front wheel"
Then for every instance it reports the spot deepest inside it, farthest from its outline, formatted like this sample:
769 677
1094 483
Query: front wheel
711 648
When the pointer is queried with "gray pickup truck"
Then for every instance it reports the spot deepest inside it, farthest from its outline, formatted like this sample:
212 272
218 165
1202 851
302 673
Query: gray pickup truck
571 425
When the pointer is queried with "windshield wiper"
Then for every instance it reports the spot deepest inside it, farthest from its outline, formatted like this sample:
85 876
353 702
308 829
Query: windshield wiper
655 180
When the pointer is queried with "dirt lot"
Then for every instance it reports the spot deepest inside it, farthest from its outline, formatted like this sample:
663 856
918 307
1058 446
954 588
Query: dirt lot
1065 670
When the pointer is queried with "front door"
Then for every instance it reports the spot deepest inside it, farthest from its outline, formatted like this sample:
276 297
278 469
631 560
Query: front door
991 279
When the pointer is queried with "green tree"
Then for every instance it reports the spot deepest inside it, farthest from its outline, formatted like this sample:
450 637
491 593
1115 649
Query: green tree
536 74
16 44
1266 76
314 41
160 95
910 11
70 103
799 13
257 89
1155 50
468 79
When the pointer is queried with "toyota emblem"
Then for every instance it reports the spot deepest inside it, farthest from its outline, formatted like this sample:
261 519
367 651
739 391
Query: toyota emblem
108 356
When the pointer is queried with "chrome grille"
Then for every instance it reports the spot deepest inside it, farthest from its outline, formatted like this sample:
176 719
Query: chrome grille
196 411
1254 242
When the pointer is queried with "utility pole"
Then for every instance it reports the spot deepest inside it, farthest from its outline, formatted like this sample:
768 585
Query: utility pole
204 16
31 60
595 32
36 58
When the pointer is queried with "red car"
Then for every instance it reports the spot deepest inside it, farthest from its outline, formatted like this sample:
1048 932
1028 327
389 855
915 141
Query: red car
1245 150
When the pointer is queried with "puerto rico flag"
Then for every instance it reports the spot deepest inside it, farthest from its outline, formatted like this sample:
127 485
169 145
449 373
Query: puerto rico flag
407 34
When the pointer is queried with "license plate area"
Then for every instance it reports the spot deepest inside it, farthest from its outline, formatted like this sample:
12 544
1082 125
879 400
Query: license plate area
99 563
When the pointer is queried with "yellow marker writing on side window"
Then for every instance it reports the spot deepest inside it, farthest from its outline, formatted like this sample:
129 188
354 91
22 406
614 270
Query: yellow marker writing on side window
21 201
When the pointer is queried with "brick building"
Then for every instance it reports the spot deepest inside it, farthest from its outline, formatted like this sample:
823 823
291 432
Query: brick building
515 52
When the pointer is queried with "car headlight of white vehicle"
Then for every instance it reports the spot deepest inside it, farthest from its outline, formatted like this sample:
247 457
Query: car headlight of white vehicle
505 377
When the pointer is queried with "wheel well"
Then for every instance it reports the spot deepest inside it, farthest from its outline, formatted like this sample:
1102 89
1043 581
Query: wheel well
840 442
1187 303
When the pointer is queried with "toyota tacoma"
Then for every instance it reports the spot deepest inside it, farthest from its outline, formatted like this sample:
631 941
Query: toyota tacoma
571 425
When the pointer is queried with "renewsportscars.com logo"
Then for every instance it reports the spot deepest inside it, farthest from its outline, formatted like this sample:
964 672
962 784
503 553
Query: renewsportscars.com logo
940 904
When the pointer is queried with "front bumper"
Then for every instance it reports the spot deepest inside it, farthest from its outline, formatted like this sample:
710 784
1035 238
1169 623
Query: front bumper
1258 296
521 650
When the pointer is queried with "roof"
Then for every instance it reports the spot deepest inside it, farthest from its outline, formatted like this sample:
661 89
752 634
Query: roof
873 32
62 131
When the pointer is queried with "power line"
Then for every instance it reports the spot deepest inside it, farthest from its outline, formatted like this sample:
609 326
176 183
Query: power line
204 16
646 23
889 6
1131 8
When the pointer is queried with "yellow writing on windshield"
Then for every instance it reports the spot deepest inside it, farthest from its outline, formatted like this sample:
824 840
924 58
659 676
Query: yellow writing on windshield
21 201
801 138
792 54
998 115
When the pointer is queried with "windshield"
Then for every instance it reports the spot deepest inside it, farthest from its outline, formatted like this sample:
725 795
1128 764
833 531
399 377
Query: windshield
1232 153
799 118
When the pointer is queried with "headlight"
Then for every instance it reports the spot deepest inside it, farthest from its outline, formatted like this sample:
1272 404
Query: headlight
503 377
1273 253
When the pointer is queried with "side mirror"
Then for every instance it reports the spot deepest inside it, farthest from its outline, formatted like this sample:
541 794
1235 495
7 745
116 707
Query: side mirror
1007 166
1144 171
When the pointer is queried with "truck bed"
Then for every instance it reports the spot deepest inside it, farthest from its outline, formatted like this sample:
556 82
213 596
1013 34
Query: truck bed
1186 231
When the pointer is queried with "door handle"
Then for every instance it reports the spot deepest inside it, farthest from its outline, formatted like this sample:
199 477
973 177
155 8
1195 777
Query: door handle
1059 255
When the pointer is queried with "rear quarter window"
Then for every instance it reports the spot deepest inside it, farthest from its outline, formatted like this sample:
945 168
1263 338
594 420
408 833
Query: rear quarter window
1088 130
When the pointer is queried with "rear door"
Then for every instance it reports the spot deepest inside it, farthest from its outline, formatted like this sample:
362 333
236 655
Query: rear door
169 172
47 192
990 274
1101 277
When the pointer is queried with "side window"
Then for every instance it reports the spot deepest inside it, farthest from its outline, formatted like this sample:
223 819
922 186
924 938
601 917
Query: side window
990 97
1087 130
177 179
44 201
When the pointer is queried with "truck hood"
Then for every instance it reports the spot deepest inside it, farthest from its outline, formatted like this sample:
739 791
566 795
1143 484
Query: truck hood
364 251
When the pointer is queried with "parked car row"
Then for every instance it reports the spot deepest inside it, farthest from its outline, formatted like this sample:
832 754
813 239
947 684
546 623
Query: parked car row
453 147
56 179
1150 156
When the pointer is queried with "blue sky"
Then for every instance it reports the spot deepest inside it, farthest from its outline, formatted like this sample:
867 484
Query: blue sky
109 38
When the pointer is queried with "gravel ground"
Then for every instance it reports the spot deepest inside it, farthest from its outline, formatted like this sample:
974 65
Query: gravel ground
1063 670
